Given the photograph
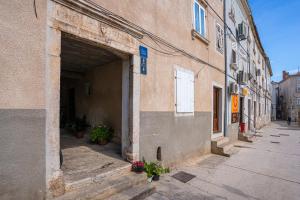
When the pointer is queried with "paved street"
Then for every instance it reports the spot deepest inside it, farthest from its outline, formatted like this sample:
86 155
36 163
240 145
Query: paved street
264 169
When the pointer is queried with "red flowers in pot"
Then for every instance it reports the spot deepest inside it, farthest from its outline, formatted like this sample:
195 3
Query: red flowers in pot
137 166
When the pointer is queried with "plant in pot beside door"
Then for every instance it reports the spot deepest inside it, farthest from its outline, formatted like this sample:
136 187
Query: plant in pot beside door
101 134
79 127
154 170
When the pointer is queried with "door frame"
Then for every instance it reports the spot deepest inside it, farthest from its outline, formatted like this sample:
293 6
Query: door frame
60 20
221 110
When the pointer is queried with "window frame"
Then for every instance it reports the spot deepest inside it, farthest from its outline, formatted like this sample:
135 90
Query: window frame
298 101
220 50
298 85
200 23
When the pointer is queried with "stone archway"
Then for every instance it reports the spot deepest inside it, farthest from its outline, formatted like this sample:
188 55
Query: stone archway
63 17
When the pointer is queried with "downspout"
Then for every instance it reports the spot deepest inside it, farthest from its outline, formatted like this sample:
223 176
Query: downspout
226 79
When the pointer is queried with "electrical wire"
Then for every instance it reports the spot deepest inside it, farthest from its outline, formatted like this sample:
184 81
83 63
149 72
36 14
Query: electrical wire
153 37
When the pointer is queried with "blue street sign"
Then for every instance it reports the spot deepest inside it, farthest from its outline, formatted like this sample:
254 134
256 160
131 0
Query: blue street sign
144 56
143 52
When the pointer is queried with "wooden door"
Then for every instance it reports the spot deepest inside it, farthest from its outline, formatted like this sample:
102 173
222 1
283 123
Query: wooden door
216 109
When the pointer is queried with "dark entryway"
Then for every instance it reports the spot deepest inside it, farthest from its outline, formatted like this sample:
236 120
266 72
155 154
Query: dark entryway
90 94
242 109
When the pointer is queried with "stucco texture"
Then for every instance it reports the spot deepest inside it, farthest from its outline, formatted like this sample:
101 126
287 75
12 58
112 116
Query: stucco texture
22 54
178 137
22 143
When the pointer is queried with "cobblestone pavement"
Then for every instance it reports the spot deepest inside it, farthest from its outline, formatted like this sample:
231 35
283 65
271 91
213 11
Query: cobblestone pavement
268 169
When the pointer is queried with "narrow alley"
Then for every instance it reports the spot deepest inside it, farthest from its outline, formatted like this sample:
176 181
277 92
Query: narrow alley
269 168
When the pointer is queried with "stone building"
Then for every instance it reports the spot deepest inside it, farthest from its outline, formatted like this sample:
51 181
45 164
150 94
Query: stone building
275 101
155 76
288 97
248 73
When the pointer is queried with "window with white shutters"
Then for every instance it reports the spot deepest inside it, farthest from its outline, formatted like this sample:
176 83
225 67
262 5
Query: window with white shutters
184 91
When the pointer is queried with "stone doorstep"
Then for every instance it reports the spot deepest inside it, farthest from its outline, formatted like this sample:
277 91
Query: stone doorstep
69 186
222 147
220 141
108 187
245 138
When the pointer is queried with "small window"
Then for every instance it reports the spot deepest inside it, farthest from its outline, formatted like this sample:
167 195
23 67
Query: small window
184 91
298 101
298 85
199 18
219 38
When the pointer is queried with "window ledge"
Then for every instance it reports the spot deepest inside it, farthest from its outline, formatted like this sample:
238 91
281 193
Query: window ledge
195 34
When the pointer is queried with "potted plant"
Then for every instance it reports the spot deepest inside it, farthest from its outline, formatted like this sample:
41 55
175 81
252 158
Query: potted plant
154 170
79 127
101 134
138 166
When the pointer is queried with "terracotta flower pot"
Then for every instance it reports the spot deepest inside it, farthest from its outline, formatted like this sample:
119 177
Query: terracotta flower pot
79 134
102 142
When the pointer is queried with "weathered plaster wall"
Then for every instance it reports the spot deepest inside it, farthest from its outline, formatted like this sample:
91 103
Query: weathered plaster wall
22 99
159 80
159 124
22 143
178 137
22 54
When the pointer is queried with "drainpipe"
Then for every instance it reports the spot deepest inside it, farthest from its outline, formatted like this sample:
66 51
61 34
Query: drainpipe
226 79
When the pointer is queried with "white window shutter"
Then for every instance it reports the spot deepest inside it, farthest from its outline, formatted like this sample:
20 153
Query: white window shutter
184 91
191 83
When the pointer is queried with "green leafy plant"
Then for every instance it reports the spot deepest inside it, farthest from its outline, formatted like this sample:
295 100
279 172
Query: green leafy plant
154 169
101 134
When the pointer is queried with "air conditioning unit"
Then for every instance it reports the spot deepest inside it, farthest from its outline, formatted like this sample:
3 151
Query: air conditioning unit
234 66
234 88
243 77
242 31
258 72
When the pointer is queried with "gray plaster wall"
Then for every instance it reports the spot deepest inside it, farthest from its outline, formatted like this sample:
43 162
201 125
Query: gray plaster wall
178 136
232 132
22 158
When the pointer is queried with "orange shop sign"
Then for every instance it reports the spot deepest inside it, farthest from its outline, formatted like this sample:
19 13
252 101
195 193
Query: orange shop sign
234 103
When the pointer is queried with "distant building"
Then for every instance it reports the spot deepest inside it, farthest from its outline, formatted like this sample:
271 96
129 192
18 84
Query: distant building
275 90
286 97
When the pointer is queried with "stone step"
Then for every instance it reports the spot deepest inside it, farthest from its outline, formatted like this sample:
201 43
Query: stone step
105 188
220 141
221 146
225 147
245 138
135 193
94 179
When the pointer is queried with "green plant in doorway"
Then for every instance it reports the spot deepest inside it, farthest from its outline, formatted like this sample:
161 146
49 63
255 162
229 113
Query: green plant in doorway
101 134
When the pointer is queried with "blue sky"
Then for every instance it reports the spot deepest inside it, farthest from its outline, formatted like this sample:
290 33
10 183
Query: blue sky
278 23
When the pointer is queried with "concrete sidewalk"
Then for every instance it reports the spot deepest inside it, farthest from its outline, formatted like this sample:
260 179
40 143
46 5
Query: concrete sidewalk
267 169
